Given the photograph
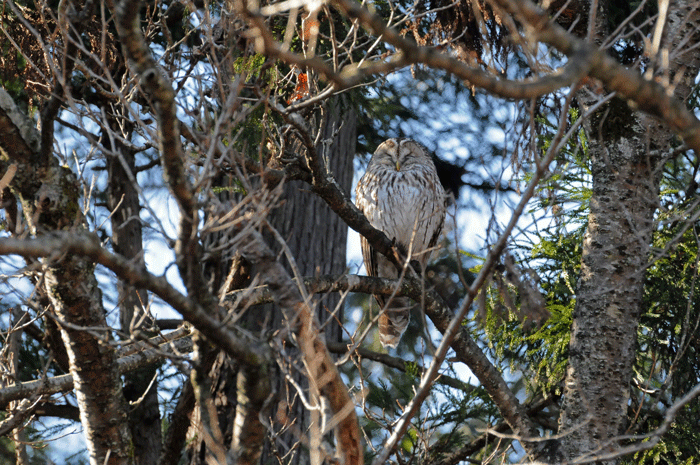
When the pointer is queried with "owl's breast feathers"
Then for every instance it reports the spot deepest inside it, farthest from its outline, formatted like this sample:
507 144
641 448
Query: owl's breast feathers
404 206
400 194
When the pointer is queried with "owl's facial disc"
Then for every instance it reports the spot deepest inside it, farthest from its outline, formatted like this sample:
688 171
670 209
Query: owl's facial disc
393 159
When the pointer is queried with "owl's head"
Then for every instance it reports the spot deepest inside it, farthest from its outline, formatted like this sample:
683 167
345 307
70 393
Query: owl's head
401 155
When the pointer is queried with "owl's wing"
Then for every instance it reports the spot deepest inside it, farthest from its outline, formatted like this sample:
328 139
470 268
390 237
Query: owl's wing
369 256
438 229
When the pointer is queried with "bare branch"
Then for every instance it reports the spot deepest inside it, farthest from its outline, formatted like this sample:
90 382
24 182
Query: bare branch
63 383
397 363
87 245
322 369
410 53
506 401
159 89
644 94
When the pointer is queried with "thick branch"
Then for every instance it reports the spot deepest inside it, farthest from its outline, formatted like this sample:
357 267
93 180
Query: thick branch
252 390
644 94
50 198
88 245
410 53
159 89
455 334
71 24
64 383
584 59
324 184
466 349
176 435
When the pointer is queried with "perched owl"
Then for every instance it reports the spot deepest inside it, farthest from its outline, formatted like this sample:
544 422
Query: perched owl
401 195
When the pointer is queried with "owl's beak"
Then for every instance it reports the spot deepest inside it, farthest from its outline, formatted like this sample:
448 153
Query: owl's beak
398 165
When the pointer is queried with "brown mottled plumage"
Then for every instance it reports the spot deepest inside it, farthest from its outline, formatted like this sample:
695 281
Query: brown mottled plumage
401 195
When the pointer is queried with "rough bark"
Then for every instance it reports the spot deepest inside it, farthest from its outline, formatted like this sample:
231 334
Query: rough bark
324 378
609 294
315 235
77 303
625 195
317 239
74 294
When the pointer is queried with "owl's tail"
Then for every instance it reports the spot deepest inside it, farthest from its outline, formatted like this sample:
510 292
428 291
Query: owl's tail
393 321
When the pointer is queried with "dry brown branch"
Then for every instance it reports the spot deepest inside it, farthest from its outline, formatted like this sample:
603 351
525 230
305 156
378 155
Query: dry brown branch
63 383
584 59
322 370
159 90
176 435
467 350
87 245
409 53
451 329
645 94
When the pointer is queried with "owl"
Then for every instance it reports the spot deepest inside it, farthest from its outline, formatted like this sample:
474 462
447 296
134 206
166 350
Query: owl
401 195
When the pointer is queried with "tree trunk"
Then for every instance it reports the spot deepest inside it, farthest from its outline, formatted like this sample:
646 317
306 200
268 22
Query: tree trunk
50 201
626 162
77 302
609 294
140 388
316 236
317 239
